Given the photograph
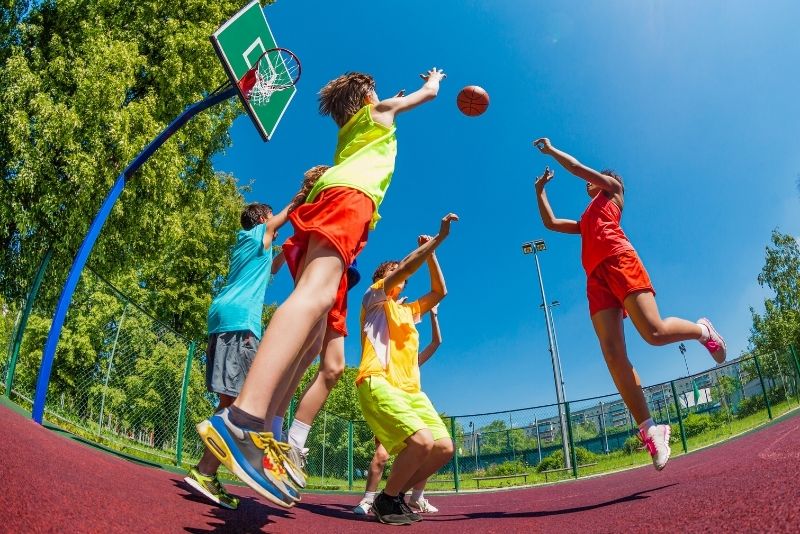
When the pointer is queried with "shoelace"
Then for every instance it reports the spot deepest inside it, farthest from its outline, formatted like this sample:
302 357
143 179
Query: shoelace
648 442
283 452
266 442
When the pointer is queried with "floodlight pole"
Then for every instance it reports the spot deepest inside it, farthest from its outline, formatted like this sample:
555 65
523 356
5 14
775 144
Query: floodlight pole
533 247
79 262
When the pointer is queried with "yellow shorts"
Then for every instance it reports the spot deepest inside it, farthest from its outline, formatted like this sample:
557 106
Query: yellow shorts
394 414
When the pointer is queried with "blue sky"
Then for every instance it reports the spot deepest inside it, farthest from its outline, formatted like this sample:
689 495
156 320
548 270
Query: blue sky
695 104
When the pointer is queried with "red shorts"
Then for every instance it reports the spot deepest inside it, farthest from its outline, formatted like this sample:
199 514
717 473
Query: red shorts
342 216
614 279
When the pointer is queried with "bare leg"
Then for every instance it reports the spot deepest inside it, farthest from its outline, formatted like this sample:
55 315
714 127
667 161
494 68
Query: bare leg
291 325
331 368
441 454
209 464
608 326
418 447
376 467
643 310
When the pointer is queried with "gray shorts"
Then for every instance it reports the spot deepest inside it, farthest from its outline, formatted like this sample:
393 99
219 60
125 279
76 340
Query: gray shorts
228 359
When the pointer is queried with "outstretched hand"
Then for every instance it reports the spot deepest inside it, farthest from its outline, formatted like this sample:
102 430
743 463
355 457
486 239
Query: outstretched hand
544 145
444 229
542 180
434 74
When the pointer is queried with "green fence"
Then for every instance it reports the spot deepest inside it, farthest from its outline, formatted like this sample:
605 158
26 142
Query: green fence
124 379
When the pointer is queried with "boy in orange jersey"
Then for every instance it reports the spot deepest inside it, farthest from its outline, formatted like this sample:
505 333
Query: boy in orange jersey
618 285
397 411
330 230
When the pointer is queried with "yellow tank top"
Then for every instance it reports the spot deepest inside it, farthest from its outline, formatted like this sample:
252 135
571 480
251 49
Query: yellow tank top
364 159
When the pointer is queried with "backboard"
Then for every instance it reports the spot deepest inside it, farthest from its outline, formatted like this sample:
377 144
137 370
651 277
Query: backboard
239 43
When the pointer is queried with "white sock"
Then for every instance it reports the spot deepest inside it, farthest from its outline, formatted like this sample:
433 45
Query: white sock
706 333
416 494
370 496
298 433
645 425
277 427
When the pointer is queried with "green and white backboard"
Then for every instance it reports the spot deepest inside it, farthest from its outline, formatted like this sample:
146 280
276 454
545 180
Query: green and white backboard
239 43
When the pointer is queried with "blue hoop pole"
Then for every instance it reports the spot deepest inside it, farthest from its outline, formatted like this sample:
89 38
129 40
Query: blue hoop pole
78 263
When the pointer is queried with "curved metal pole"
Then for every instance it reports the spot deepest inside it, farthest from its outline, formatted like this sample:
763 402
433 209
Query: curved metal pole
78 263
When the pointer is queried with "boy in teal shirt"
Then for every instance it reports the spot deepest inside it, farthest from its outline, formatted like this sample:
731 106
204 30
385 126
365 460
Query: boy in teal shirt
234 328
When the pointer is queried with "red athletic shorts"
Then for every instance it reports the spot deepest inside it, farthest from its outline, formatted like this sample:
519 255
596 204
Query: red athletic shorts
614 279
342 216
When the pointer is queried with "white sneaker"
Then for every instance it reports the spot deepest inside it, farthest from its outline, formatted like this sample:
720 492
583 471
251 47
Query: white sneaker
715 344
656 441
423 506
363 507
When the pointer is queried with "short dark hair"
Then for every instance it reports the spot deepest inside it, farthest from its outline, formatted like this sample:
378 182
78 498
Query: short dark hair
612 173
380 272
253 213
343 97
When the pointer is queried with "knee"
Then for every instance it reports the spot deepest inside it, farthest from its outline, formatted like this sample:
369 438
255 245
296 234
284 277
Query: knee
331 373
380 459
422 441
445 449
653 336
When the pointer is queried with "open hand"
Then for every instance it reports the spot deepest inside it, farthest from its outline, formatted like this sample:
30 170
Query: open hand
542 180
434 74
401 93
544 145
444 229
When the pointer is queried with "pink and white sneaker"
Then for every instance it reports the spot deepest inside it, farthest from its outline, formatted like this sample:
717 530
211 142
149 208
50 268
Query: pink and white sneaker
715 344
656 441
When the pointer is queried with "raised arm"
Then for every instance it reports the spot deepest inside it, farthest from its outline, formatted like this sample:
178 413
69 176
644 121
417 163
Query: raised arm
438 289
436 337
280 218
565 226
607 183
385 111
277 262
414 261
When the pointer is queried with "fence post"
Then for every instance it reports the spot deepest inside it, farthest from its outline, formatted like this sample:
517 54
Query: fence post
182 410
763 386
571 442
350 455
796 360
456 481
680 417
23 322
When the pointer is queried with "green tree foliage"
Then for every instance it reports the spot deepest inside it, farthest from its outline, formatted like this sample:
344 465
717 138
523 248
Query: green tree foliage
83 87
779 326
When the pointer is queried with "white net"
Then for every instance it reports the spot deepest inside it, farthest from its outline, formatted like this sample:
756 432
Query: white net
277 70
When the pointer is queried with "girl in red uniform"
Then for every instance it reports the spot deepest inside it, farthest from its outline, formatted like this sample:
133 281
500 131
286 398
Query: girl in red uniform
618 285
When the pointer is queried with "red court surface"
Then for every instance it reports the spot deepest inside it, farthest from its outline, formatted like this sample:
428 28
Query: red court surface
751 484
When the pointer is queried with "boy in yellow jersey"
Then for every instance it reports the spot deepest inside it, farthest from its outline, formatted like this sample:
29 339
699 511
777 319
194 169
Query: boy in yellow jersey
397 411
329 232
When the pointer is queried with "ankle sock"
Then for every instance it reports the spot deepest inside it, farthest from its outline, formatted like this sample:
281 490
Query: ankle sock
243 419
277 428
416 495
644 426
370 496
298 433
705 333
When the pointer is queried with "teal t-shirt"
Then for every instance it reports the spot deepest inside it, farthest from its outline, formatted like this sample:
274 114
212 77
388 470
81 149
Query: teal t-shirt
238 306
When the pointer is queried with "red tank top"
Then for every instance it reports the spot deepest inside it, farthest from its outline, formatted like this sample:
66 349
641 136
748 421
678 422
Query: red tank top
601 235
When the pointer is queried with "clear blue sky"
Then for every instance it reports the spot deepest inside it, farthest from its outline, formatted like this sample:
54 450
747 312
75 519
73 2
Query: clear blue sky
695 104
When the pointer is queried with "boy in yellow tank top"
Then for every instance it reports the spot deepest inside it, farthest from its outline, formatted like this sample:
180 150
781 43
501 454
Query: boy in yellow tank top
397 411
329 232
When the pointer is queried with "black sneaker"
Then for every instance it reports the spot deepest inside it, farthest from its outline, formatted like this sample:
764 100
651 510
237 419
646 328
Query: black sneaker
388 510
413 516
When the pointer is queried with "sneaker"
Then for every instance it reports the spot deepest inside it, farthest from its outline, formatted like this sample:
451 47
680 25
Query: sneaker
715 344
294 461
423 506
656 441
363 507
210 487
388 510
249 455
413 516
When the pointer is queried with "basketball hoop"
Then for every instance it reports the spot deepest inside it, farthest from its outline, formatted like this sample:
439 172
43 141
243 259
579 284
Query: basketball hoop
275 70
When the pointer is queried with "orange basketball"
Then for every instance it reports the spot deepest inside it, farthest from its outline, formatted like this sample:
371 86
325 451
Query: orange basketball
473 100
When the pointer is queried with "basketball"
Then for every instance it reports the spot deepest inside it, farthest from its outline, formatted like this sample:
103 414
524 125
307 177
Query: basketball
473 100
